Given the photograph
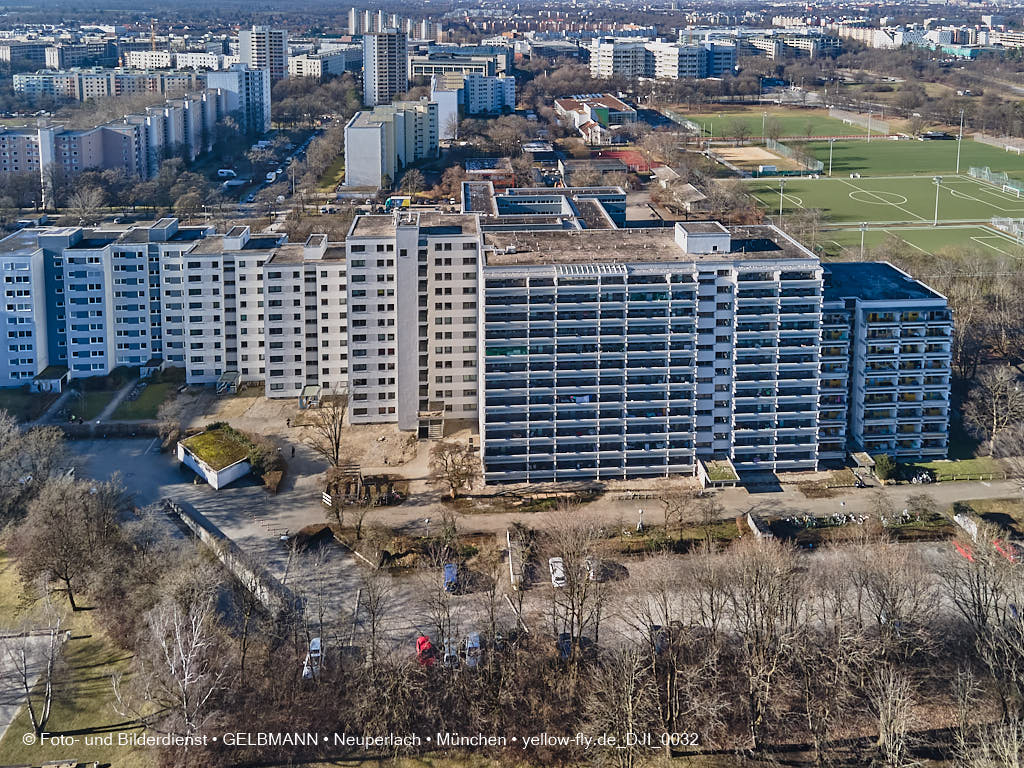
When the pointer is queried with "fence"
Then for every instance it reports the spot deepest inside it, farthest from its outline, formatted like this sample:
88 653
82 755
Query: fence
1008 143
999 178
679 119
1012 227
855 118
271 593
808 162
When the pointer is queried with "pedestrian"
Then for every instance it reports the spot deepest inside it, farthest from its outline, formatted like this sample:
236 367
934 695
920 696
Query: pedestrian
293 451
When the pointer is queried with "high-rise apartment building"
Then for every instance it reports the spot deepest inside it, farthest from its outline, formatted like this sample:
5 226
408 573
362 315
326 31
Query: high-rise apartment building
385 66
380 142
246 94
582 353
264 48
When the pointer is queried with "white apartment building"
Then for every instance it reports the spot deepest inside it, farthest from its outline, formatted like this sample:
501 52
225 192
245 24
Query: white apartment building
246 93
412 298
659 59
25 350
583 354
489 95
325 64
264 48
385 66
380 142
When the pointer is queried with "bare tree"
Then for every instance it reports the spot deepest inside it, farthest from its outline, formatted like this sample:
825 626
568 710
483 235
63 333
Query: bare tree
68 527
86 203
890 697
328 430
455 465
28 459
376 601
764 589
620 704
995 404
32 664
179 667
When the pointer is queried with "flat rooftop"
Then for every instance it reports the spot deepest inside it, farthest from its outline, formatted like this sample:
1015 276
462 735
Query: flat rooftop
872 281
757 242
430 222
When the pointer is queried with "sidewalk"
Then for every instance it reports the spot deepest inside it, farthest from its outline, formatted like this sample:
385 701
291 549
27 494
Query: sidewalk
116 401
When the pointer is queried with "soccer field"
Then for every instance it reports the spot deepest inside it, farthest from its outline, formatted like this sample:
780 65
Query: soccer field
885 157
927 239
792 121
890 200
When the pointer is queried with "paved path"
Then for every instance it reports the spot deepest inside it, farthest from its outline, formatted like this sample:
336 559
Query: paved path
12 697
116 401
49 416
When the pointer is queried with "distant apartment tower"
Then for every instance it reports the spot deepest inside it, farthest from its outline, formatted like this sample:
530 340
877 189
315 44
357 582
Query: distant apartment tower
264 48
380 142
355 26
489 95
247 94
385 66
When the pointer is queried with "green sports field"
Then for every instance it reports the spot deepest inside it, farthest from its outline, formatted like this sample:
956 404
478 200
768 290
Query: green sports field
927 239
890 200
886 157
792 121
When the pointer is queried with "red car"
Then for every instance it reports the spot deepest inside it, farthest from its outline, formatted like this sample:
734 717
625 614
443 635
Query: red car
425 653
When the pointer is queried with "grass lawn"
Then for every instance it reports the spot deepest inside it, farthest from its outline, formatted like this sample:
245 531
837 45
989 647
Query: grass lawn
889 200
1006 513
11 602
952 470
334 175
84 705
146 404
217 448
25 405
907 156
90 403
924 238
793 121
720 471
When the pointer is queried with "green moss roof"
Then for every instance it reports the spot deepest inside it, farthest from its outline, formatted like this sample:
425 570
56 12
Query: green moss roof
217 448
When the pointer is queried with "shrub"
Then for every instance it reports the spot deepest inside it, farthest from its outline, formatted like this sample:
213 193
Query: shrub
272 480
885 466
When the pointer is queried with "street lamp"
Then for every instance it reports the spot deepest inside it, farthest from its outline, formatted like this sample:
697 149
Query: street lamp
831 143
959 141
782 196
863 229
938 185
764 133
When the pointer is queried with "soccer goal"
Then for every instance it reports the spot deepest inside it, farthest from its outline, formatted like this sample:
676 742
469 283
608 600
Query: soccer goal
1011 190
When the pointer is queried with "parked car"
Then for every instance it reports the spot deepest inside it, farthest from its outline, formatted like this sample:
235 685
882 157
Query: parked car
451 577
311 666
451 654
425 653
557 568
473 649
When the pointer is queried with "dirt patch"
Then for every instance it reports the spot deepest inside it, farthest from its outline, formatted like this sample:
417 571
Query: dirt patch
752 157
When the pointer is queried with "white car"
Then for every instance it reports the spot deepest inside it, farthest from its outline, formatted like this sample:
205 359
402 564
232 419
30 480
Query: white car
311 666
557 568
